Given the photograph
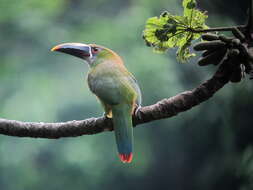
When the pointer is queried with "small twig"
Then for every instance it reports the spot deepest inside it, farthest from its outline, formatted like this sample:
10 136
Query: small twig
217 29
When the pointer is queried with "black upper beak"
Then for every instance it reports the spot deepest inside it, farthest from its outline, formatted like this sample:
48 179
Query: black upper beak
76 49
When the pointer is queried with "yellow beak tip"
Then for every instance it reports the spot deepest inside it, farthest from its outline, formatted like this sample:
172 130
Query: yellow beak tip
54 48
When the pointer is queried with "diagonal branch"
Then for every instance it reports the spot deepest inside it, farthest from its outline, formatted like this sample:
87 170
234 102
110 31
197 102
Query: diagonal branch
163 109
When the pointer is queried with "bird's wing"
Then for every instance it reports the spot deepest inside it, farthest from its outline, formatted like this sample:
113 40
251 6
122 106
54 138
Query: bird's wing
136 87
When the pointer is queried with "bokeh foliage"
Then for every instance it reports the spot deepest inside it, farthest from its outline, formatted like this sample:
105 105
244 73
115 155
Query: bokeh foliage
191 151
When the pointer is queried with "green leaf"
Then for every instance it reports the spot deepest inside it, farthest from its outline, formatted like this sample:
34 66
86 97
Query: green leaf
170 31
183 52
188 6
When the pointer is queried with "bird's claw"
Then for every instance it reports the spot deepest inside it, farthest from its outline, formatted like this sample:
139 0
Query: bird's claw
105 115
137 112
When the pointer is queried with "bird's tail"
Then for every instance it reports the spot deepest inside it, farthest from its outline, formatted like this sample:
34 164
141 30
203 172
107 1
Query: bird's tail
123 127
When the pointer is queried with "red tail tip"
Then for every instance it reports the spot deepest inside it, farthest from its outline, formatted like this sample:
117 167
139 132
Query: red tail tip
126 158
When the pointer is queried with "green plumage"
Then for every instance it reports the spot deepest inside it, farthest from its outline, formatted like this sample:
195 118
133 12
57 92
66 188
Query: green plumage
115 87
119 94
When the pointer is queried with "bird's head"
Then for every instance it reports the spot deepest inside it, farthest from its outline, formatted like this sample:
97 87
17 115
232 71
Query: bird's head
87 52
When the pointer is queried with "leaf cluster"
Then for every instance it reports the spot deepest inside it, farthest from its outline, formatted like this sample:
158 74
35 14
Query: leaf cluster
170 31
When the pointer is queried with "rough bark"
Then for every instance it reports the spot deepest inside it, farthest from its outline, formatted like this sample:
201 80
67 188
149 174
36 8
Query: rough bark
163 109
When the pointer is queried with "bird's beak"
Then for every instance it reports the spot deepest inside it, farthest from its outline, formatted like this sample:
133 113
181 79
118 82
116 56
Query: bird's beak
82 51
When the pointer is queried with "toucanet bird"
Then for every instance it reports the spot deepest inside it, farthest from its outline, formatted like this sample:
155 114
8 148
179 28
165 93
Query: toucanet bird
115 87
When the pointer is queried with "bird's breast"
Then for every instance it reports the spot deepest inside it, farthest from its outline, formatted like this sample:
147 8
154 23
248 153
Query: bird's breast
102 77
110 84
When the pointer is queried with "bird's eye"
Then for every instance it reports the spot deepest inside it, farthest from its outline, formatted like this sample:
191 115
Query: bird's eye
94 50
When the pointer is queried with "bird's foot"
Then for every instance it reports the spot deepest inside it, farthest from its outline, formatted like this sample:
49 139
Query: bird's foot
137 111
106 115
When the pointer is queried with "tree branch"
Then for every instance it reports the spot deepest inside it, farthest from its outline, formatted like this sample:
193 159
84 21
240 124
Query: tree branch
217 29
163 109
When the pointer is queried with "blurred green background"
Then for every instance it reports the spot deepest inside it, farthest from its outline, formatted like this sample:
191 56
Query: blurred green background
205 148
